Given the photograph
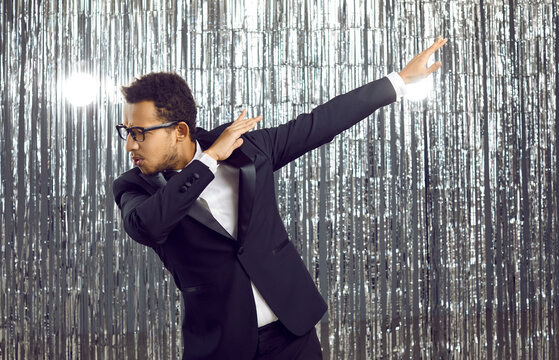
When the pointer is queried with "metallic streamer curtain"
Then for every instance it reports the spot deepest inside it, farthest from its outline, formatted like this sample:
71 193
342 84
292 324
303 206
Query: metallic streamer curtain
431 227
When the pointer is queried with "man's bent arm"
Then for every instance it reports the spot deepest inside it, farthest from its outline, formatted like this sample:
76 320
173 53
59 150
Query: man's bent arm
148 219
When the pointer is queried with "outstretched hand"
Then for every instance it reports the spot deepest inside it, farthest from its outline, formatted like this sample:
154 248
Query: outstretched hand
230 138
417 68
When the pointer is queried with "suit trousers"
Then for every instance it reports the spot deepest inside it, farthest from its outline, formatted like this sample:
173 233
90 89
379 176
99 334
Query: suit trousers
275 342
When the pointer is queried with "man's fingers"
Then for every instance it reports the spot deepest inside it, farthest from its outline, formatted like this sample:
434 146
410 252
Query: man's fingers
243 128
241 123
254 120
441 43
431 49
434 47
257 119
242 117
243 113
239 128
426 54
434 67
437 45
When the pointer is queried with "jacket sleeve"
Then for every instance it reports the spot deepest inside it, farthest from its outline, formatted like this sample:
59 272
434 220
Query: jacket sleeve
288 141
149 219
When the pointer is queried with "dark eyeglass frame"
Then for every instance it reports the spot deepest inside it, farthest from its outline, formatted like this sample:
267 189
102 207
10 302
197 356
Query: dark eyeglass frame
142 131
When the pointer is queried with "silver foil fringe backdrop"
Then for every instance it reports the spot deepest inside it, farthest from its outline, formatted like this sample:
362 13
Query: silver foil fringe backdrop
431 227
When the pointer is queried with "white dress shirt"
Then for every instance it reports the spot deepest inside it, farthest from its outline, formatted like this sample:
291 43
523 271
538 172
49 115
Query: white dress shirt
221 198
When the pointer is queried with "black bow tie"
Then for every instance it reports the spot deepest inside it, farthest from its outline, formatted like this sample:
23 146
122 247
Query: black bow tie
167 174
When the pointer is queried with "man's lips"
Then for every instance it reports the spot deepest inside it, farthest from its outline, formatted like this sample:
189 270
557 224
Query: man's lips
137 160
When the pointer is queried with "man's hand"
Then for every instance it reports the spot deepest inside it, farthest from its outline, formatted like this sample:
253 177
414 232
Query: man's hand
416 69
230 138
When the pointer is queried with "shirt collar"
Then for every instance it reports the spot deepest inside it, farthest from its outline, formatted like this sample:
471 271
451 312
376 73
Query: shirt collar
197 153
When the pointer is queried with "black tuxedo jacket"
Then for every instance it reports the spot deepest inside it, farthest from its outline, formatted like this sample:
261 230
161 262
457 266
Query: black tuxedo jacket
213 270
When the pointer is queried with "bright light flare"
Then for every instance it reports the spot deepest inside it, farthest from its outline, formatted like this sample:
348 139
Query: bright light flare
81 89
419 90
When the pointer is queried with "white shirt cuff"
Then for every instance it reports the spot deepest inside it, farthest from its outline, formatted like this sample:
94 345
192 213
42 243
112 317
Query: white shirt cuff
209 162
398 84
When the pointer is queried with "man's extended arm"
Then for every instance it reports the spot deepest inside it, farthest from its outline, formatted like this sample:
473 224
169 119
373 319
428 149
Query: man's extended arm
308 131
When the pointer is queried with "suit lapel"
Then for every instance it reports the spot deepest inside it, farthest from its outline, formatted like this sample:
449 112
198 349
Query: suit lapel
247 186
244 160
205 217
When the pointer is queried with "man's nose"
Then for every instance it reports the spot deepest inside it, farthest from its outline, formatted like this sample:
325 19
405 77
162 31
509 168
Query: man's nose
131 144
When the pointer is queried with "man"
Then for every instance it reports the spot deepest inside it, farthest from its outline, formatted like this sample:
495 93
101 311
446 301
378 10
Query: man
205 202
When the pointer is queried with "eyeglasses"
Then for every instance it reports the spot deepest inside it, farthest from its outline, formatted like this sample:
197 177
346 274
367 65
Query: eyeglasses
139 133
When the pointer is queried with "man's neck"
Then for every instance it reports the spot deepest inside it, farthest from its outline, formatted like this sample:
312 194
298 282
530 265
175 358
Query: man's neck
185 156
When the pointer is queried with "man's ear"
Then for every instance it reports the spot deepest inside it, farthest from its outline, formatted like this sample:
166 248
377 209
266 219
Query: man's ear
183 131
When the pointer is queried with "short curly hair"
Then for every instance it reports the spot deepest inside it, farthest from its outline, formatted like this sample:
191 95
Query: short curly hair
171 95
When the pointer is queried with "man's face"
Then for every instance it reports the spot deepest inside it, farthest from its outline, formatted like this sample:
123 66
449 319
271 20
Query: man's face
158 151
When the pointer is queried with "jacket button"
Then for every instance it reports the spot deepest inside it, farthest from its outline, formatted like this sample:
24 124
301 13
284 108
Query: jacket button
188 184
183 189
196 176
241 250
